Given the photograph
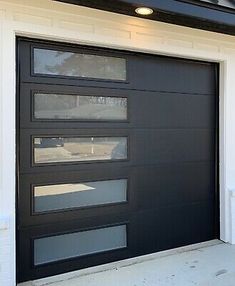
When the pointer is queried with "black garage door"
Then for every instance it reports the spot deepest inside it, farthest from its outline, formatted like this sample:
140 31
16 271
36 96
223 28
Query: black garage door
117 155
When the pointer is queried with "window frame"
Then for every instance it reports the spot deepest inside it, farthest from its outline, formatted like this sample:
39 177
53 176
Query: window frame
79 49
32 194
76 230
34 164
51 120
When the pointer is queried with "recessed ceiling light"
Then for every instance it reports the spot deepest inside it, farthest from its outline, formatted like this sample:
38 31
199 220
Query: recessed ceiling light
144 11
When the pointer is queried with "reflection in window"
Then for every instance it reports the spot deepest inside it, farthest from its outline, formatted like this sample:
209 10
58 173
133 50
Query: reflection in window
62 106
59 63
63 196
60 247
72 149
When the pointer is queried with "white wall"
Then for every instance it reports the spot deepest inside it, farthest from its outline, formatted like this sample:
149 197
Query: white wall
62 22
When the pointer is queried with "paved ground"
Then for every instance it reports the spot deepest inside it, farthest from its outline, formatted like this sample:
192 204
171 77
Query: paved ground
207 264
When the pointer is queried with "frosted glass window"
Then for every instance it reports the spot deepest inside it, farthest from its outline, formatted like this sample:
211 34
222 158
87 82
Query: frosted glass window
60 247
63 196
63 106
72 149
59 63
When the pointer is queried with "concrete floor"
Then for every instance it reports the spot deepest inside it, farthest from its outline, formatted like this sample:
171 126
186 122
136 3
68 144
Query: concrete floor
207 264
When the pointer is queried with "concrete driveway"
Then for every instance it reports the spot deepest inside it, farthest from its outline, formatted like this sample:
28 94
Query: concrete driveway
206 264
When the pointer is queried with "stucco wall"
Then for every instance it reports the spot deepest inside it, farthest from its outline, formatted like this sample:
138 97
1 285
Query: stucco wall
62 22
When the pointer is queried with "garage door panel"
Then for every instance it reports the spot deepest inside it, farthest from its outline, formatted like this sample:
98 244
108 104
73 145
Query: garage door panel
143 146
117 157
143 67
143 231
187 225
159 74
171 110
153 146
172 184
174 226
174 110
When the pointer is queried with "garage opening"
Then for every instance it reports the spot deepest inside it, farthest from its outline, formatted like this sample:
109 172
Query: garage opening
117 155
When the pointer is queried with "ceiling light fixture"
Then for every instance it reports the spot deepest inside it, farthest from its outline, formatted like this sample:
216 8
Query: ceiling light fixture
145 11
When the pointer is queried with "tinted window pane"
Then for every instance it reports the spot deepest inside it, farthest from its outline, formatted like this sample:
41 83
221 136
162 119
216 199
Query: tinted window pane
62 106
67 149
58 63
77 244
62 196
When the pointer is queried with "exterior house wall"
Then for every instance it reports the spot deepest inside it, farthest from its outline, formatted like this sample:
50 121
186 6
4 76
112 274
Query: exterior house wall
46 19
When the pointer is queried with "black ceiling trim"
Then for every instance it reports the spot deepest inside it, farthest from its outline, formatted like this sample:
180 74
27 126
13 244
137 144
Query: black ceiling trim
180 12
211 5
